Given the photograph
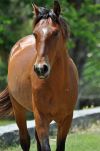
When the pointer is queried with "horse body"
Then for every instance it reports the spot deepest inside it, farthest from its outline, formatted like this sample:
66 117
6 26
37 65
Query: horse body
43 79
22 81
19 67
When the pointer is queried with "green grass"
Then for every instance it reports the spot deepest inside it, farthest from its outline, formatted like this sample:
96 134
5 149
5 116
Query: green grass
6 122
87 141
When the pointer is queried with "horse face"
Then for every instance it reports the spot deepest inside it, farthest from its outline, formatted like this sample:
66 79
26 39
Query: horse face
48 37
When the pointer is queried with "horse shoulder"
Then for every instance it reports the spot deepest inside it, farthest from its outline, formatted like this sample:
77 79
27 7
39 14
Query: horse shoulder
22 44
19 68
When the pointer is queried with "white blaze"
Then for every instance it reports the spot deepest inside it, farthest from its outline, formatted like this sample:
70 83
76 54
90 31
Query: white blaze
45 31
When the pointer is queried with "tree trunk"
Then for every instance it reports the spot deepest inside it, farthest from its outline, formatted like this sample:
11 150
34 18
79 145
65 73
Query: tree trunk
79 55
79 52
76 3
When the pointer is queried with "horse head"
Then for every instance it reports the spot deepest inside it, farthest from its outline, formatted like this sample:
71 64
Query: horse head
50 32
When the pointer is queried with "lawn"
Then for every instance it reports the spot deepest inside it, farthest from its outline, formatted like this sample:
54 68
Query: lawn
81 141
6 122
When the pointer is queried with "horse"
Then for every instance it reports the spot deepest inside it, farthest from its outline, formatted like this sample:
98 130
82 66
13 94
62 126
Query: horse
43 79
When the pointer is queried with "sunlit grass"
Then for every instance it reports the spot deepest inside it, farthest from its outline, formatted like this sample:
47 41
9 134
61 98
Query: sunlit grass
6 122
87 141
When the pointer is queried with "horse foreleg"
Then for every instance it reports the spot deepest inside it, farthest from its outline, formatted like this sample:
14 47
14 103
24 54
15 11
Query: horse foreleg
20 116
63 129
42 129
38 142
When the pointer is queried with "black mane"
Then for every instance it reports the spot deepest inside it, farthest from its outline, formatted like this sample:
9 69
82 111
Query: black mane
45 13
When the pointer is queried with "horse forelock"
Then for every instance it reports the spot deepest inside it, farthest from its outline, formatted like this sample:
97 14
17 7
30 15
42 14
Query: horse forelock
45 13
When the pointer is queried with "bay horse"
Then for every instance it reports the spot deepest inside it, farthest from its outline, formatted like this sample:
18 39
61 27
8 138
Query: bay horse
43 79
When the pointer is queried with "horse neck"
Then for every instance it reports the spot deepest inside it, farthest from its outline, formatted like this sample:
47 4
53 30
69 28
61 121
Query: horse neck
62 55
60 62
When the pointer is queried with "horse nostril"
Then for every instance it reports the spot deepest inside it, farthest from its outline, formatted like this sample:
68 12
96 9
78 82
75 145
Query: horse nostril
41 70
45 68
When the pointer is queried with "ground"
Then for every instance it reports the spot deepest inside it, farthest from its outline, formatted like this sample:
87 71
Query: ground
78 140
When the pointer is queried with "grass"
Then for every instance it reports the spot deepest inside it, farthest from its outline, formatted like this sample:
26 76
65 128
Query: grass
81 141
6 122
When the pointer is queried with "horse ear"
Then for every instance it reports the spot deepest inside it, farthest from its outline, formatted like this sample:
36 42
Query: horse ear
56 8
35 9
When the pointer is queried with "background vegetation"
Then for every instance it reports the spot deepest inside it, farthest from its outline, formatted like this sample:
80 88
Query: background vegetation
84 46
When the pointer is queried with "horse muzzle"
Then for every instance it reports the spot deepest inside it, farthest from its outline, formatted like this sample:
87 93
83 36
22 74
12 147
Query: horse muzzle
42 70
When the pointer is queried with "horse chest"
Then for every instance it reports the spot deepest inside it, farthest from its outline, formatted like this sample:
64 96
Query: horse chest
47 100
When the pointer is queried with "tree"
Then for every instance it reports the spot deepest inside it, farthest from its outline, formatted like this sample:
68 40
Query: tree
83 19
14 20
83 29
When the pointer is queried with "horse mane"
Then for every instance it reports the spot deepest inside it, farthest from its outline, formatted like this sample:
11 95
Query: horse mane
65 27
45 13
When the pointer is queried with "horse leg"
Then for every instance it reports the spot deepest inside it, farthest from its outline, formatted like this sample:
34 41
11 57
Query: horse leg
63 129
38 142
20 117
42 129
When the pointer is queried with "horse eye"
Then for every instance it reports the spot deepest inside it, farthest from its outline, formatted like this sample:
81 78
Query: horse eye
56 33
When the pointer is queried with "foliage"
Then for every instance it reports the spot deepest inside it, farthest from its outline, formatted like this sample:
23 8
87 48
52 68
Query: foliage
83 23
13 19
14 23
85 26
3 71
91 76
